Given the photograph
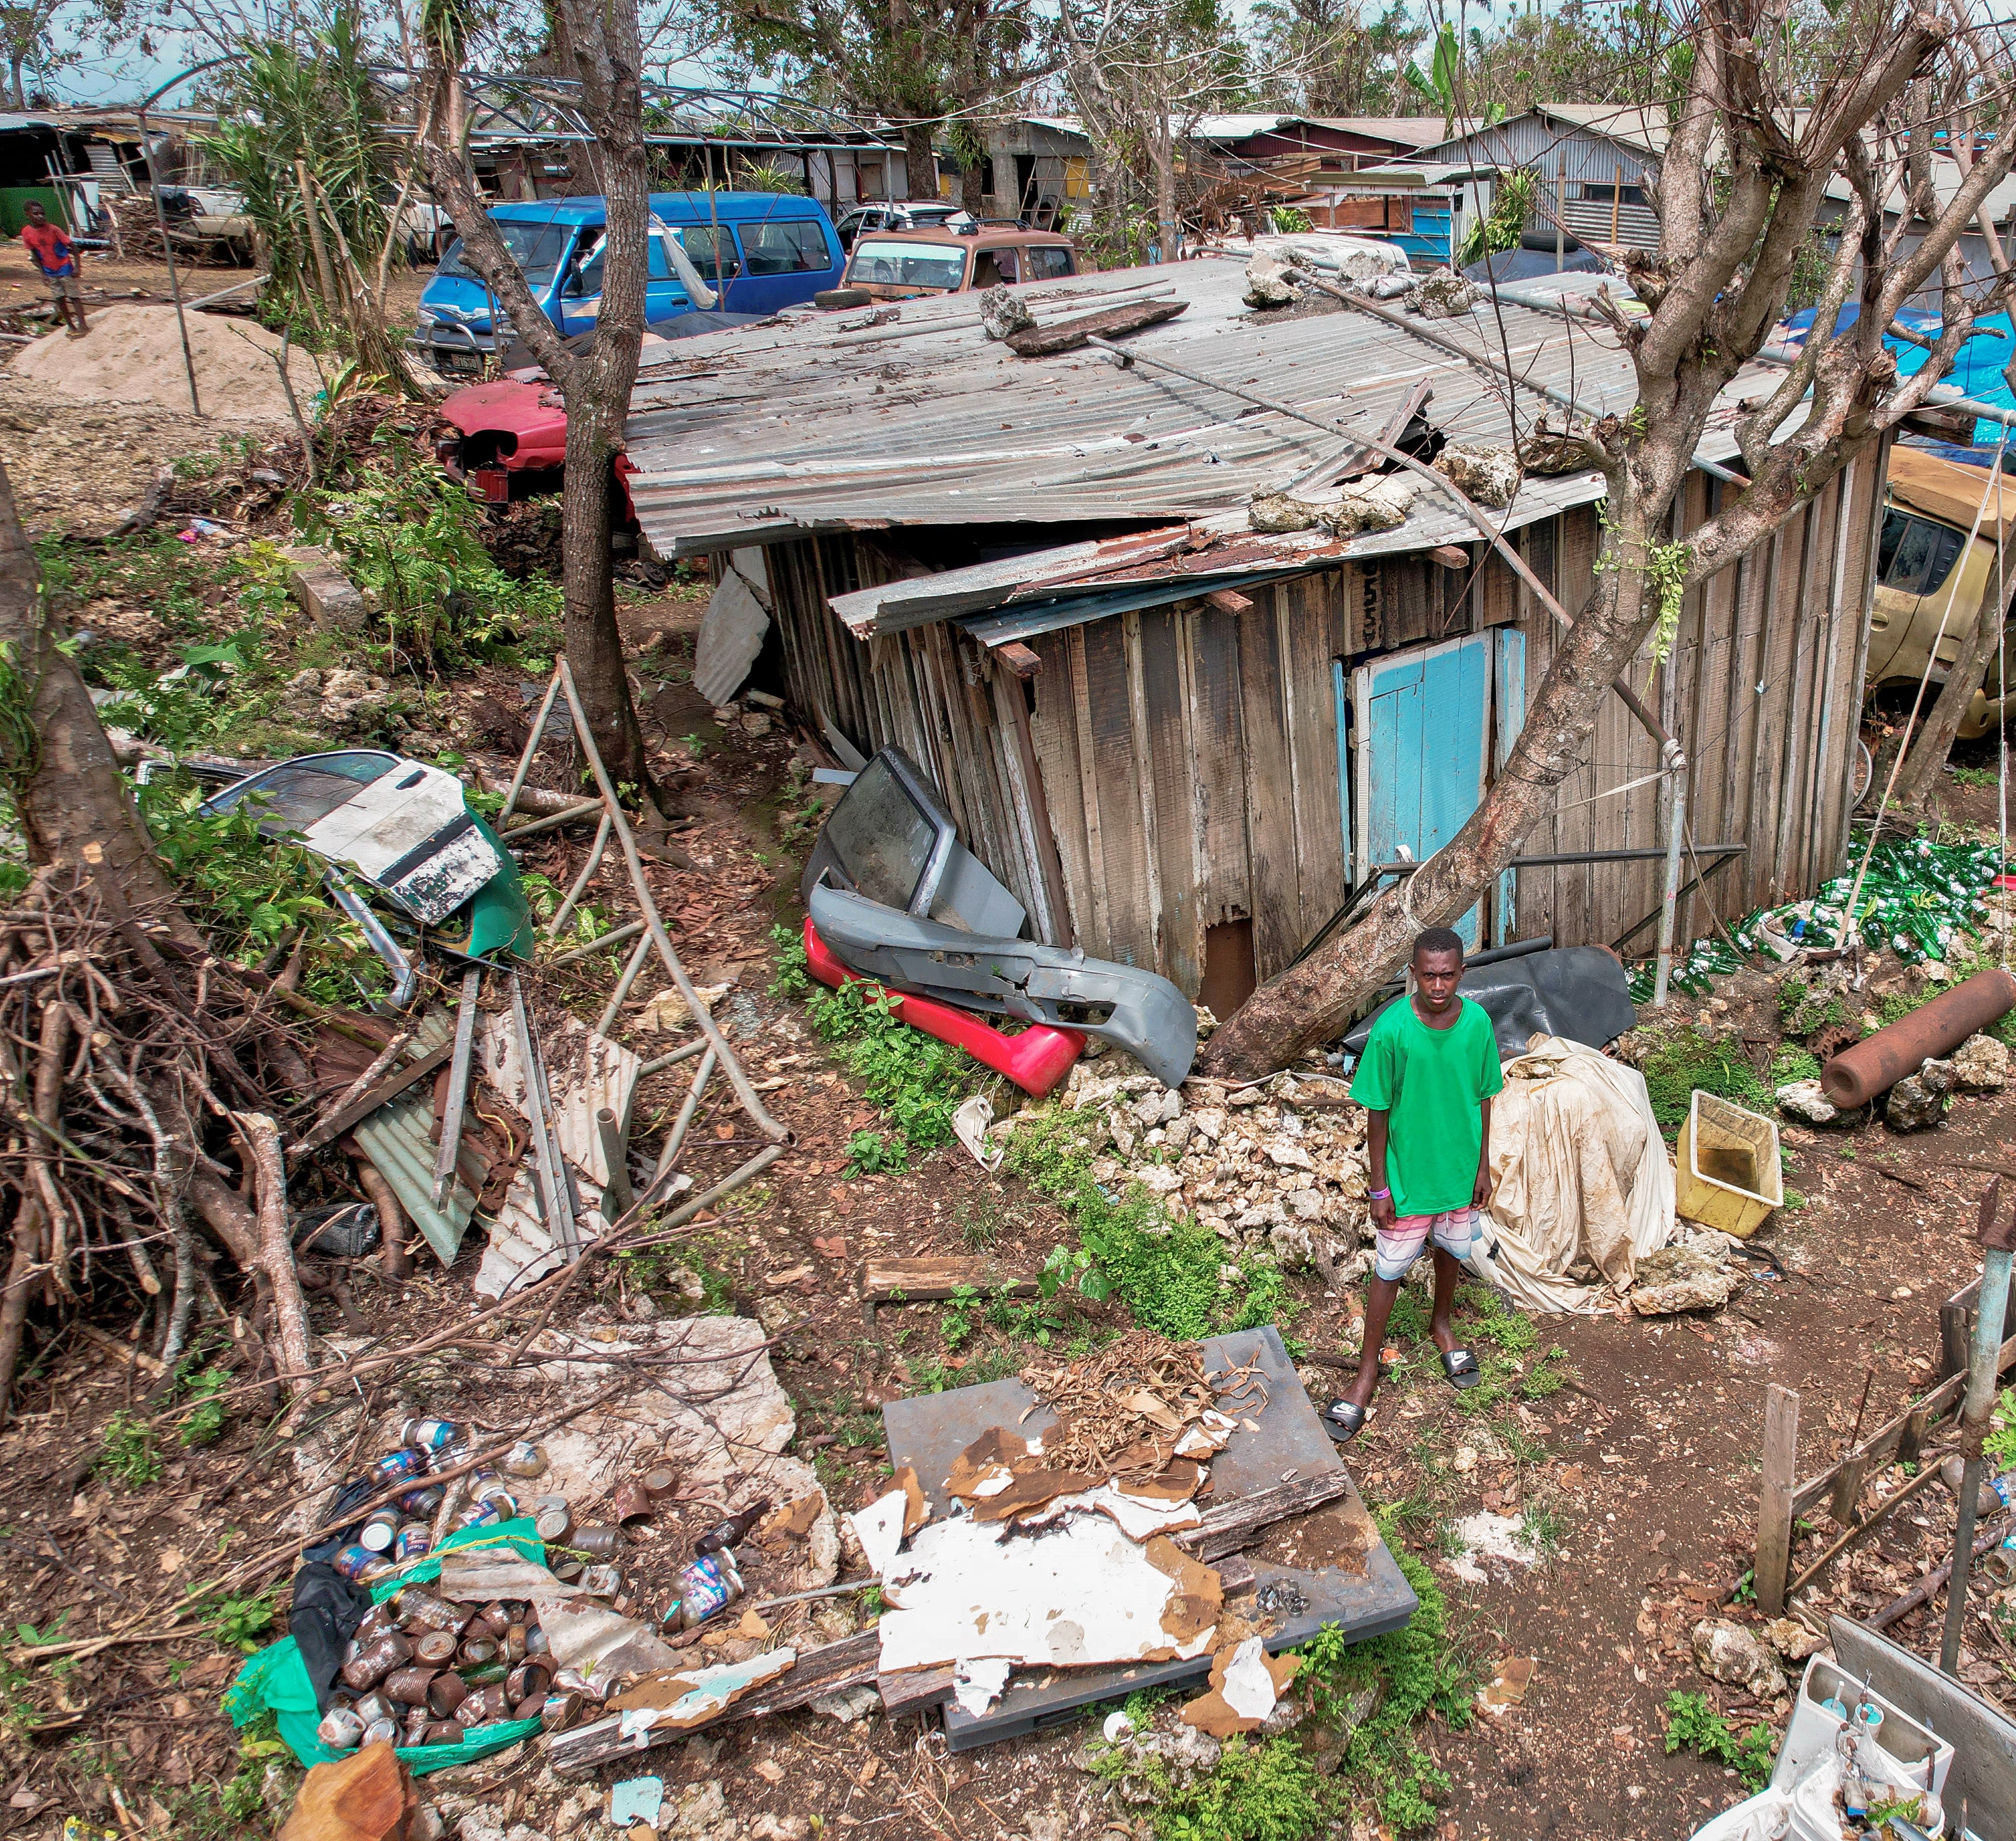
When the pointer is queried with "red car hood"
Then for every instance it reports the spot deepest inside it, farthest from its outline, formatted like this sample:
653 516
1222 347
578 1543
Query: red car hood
529 415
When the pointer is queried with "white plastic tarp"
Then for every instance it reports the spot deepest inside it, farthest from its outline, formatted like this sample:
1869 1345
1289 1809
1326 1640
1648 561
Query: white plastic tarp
1585 1185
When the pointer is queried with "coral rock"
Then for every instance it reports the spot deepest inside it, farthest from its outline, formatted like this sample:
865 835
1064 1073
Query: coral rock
1726 1652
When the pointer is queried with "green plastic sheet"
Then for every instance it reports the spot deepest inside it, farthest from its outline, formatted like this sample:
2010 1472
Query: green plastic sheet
276 1679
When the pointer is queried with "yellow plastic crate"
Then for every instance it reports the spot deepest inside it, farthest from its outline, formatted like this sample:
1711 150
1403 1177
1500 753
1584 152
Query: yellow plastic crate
1729 1176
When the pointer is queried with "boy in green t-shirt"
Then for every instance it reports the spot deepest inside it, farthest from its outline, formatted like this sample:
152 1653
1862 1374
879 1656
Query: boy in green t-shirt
1427 1076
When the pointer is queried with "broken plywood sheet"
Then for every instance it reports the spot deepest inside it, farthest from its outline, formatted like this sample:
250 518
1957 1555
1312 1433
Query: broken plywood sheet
1369 1597
1078 1594
1245 1683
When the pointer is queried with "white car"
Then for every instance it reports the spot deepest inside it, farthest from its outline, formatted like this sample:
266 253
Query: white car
899 214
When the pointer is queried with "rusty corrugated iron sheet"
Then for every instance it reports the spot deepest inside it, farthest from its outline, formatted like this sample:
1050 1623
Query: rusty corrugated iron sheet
822 430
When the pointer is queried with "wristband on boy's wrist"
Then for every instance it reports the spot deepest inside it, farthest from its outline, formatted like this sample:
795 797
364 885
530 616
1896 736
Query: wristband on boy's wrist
1378 1194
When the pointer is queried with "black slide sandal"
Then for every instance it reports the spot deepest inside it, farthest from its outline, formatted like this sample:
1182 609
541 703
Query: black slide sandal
1461 1366
1343 1420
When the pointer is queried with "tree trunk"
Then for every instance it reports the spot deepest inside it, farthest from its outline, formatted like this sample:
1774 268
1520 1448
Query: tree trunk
602 50
920 178
75 808
1920 778
971 197
1315 1000
1165 156
594 646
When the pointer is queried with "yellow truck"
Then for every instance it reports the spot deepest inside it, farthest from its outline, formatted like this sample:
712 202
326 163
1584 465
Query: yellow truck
1928 573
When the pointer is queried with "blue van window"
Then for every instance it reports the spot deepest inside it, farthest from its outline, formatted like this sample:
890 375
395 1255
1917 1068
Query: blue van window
536 248
699 242
793 248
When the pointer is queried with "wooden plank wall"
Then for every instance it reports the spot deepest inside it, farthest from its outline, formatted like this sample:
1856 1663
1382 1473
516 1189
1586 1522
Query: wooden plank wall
1759 688
933 692
1186 759
1190 757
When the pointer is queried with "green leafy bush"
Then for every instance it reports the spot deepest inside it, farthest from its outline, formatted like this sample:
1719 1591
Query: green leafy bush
128 1455
916 1081
1270 1791
249 893
410 534
1691 1722
1418 1671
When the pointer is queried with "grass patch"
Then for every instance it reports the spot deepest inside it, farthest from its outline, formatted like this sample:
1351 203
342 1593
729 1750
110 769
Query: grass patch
1679 1063
227 1811
1421 1672
1271 1790
1167 1270
1691 1723
915 1082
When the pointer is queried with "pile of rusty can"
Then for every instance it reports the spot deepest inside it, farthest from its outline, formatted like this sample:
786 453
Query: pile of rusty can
421 1671
401 1531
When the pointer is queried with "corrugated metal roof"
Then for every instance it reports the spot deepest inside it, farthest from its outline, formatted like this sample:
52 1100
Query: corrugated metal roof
816 428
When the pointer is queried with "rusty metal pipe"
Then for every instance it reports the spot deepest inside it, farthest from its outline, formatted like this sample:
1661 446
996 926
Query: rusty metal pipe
1856 1076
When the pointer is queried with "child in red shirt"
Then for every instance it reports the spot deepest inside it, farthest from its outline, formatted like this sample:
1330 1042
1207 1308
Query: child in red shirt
52 251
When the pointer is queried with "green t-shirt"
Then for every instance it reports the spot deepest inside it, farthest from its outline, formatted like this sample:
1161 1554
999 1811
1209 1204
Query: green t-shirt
1428 1082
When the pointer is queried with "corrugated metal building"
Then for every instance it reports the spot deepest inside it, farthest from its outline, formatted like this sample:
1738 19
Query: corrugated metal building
1592 158
1183 743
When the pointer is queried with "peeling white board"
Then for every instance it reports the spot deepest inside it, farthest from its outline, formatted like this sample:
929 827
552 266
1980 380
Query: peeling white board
1078 1594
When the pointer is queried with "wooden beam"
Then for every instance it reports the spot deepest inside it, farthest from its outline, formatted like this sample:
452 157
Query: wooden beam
1227 1527
1774 1502
1114 323
1229 601
1019 659
387 1090
1451 555
915 1690
831 1669
925 1280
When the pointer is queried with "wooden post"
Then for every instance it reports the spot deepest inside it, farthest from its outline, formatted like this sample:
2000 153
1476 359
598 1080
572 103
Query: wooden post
1911 1441
1774 1504
1847 1490
1953 1338
1616 201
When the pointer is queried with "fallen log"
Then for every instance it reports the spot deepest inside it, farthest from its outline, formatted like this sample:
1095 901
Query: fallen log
1040 342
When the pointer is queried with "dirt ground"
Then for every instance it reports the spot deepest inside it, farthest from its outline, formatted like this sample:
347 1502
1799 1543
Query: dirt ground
1640 1477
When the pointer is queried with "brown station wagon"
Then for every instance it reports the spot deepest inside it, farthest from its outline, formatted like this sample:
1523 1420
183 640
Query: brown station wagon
902 265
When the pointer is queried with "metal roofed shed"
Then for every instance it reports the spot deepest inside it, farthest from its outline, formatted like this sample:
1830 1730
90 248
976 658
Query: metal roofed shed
1185 744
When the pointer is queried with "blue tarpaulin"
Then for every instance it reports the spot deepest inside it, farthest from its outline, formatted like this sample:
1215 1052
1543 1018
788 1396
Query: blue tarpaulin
1977 369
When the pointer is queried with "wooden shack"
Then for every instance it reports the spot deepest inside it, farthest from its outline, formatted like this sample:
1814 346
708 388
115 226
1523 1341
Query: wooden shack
1186 745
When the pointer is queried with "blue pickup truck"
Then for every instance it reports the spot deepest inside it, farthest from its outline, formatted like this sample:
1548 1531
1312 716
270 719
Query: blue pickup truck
755 251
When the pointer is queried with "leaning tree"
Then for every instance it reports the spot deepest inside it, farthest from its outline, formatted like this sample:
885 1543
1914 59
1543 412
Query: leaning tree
1779 102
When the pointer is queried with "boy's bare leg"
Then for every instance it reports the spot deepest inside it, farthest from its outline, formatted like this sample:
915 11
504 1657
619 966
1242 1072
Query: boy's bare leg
1447 1272
1379 1296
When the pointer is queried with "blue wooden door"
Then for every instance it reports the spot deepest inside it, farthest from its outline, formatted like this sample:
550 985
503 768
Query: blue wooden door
1422 722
